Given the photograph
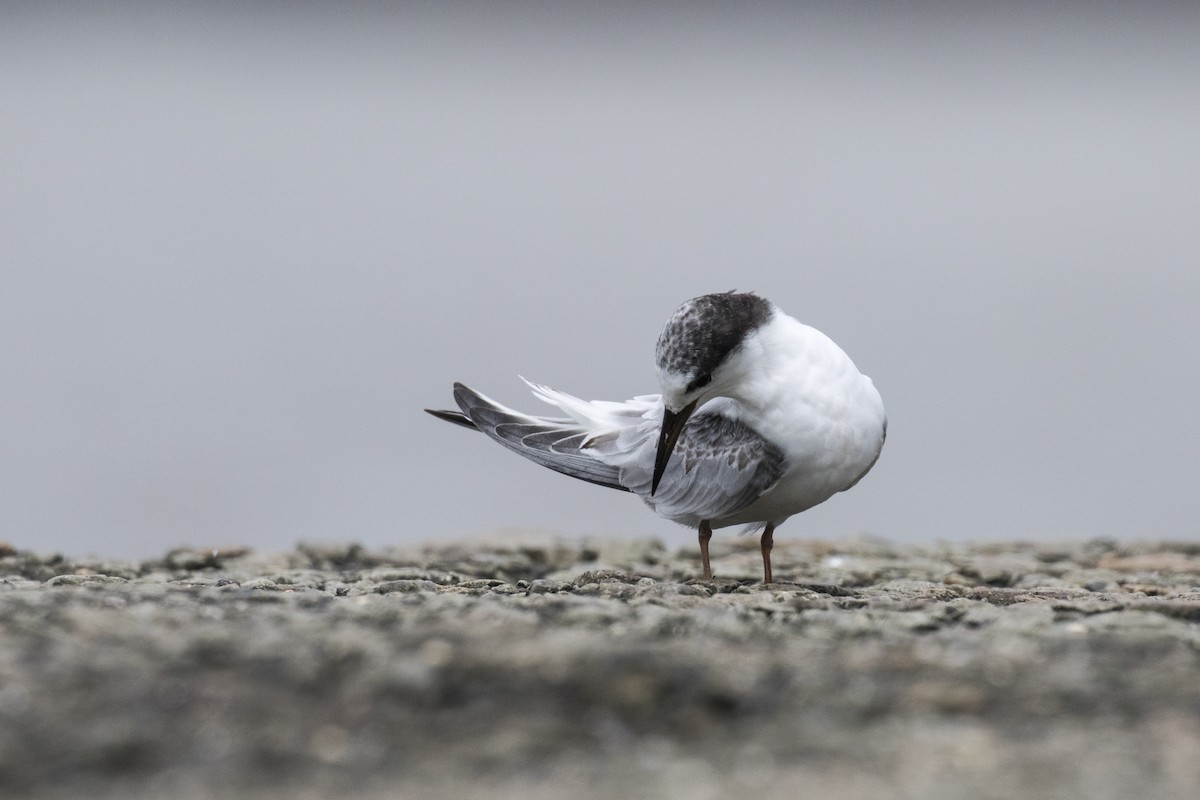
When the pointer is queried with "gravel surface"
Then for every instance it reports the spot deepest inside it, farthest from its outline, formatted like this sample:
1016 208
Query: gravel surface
529 667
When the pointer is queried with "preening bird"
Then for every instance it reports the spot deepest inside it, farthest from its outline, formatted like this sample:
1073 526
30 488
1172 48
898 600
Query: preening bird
759 417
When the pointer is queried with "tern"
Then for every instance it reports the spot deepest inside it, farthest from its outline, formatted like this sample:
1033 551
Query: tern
759 417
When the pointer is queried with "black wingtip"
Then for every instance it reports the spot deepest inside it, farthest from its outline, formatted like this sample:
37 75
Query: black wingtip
457 417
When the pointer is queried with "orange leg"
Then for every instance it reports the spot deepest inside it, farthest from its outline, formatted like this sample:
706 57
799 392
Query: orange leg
705 535
768 541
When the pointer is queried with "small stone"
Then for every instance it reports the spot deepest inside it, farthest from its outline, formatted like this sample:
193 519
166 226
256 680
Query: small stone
546 586
260 583
1101 585
1177 563
481 583
83 580
389 587
606 576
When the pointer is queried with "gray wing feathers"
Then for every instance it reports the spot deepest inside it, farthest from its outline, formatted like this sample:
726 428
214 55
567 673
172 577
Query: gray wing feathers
553 443
721 466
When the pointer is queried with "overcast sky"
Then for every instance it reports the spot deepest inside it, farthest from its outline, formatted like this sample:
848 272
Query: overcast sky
242 248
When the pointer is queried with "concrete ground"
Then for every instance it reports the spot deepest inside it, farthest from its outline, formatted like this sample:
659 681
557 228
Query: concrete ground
529 667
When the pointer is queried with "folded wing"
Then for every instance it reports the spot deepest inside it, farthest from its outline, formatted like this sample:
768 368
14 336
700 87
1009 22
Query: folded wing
719 467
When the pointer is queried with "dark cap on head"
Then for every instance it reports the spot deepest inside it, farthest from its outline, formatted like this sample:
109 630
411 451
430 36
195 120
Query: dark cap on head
705 330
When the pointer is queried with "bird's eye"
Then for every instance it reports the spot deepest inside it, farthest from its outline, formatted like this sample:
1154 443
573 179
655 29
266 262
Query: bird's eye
699 382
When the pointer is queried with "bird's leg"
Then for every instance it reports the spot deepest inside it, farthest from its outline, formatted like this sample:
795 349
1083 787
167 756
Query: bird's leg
705 535
768 541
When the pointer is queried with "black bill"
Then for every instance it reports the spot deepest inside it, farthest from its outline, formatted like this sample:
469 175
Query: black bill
672 426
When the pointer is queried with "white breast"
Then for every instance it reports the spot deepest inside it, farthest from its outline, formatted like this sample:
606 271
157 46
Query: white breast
802 392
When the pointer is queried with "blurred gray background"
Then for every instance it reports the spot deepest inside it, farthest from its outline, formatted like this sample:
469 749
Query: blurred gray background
242 246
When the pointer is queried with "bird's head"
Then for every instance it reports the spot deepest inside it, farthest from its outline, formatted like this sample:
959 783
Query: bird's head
702 353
